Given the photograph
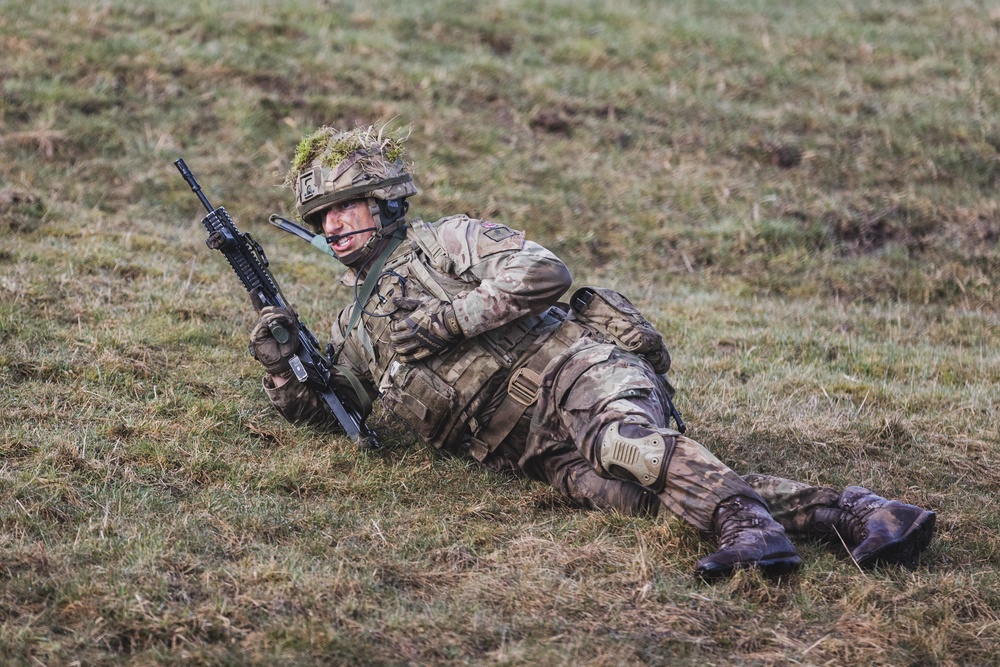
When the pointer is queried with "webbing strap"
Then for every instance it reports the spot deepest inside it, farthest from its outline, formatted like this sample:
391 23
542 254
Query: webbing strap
522 390
363 398
368 286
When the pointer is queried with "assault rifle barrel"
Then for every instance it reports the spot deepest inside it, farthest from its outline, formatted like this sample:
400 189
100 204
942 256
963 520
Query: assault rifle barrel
195 188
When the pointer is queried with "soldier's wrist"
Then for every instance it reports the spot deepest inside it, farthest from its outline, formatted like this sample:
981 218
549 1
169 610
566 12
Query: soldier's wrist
276 380
450 318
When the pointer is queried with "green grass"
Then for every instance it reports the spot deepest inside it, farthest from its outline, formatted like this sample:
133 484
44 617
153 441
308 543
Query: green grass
802 197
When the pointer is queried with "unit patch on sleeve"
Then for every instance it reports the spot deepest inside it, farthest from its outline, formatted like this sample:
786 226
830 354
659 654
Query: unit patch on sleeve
495 232
494 238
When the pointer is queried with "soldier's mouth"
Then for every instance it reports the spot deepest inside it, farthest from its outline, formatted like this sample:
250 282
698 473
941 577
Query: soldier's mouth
341 242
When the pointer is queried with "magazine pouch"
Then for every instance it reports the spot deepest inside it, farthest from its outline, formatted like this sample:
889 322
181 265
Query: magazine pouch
612 315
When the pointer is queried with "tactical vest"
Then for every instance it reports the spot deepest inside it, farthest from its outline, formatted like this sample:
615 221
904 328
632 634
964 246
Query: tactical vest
442 397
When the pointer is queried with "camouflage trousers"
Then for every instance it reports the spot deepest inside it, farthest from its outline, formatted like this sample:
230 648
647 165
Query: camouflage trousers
598 385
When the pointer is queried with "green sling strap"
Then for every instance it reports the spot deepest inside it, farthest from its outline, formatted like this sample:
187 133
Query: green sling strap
367 287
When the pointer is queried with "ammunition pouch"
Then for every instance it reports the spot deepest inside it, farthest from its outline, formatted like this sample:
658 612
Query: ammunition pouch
613 316
422 400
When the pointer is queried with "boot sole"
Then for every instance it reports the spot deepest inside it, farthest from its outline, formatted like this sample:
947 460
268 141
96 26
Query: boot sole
772 567
905 550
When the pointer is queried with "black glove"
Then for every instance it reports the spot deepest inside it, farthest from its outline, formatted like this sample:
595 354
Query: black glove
275 339
423 328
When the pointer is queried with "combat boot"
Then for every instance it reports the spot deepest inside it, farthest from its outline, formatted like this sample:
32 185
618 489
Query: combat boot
748 537
878 531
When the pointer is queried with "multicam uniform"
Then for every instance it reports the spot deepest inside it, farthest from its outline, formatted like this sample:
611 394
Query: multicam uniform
457 327
530 387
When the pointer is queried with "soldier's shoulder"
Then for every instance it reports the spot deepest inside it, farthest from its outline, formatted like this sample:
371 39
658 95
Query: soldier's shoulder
466 240
465 229
432 239
453 228
482 237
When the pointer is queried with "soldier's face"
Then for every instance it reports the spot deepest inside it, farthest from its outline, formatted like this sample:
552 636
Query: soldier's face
346 217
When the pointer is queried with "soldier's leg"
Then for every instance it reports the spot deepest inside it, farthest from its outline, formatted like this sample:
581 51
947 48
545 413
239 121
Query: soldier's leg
616 415
793 504
567 472
625 438
876 530
698 487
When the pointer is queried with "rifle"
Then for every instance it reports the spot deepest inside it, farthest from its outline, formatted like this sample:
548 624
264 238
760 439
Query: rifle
248 260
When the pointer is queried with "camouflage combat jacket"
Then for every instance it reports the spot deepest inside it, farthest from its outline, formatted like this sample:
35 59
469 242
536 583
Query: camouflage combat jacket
504 290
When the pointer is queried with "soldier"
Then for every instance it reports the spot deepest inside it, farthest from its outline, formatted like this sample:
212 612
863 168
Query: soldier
457 326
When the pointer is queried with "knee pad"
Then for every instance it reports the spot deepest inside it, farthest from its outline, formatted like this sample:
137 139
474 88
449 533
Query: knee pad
641 456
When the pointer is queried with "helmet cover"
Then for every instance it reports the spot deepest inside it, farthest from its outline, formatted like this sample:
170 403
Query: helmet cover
331 166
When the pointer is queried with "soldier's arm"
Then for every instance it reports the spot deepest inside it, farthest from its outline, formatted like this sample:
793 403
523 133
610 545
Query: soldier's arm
297 403
301 405
510 277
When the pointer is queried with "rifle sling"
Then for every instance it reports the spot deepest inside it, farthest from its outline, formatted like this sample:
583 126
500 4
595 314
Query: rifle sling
367 287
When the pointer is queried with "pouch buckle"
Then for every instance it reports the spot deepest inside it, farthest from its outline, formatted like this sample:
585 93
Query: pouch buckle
523 385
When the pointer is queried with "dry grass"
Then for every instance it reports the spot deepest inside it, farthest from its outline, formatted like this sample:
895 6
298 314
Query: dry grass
802 197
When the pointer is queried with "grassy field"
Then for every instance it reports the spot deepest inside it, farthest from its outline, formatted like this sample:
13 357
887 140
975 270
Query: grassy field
802 195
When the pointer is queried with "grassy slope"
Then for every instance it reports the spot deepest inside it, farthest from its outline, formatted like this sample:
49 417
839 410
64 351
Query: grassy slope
802 197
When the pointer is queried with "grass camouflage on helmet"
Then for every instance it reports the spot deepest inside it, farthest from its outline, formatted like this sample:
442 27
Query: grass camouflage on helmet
331 166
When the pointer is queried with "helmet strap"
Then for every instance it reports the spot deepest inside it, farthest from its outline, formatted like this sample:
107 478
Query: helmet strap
388 216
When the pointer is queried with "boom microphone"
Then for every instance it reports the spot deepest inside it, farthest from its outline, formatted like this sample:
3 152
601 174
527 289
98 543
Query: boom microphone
336 237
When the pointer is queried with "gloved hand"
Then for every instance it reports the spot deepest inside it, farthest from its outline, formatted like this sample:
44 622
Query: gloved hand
272 353
423 328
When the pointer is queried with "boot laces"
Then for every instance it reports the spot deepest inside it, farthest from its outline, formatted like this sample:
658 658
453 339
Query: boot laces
853 519
737 517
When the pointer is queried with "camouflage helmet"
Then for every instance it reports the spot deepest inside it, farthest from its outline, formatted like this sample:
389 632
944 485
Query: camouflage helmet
332 166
